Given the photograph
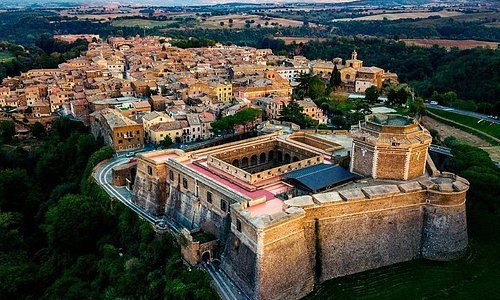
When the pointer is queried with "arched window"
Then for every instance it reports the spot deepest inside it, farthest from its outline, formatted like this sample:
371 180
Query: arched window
236 163
244 162
270 155
253 160
262 158
287 158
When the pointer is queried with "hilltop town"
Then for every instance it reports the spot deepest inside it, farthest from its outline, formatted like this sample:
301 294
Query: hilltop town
139 90
249 151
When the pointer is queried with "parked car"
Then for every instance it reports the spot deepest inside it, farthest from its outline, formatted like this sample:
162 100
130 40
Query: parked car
130 154
434 103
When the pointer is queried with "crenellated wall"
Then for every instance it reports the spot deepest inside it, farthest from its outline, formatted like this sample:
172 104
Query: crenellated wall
329 235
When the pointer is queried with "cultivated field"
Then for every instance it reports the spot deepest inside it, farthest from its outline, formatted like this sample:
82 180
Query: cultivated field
490 19
460 44
140 23
290 39
404 15
239 21
101 17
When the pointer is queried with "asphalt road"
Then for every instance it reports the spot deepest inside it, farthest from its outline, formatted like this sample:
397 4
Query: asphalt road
103 177
224 285
226 288
463 112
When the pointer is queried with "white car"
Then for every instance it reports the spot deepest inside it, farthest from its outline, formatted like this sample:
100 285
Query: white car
130 154
434 103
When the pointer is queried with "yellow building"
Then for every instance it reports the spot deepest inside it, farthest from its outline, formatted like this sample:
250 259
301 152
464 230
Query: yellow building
153 118
118 131
217 91
174 130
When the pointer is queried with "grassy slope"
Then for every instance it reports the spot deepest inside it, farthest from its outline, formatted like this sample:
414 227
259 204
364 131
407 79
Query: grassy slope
485 126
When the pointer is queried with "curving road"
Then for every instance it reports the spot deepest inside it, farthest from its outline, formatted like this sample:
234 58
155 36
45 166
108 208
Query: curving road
226 288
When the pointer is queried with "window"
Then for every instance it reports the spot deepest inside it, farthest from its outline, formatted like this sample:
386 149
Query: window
184 183
171 175
209 197
223 205
238 225
150 170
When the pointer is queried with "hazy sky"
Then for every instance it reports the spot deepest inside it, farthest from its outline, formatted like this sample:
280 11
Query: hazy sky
178 2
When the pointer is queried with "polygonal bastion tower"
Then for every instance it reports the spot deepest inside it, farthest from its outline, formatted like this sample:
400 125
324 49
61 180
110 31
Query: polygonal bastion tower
390 147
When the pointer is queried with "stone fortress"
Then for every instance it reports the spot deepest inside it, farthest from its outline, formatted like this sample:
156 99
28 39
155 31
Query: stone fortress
285 216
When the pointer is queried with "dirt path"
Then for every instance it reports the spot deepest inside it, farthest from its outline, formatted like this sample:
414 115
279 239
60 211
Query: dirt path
447 130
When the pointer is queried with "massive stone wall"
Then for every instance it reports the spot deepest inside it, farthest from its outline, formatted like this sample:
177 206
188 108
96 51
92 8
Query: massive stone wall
335 234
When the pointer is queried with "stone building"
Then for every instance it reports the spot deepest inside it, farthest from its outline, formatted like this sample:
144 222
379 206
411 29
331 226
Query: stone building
390 147
118 131
286 217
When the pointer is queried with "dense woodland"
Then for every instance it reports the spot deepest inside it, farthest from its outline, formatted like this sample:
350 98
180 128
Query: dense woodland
63 238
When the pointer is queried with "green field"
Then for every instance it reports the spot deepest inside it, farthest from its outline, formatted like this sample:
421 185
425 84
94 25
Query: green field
485 126
5 56
141 23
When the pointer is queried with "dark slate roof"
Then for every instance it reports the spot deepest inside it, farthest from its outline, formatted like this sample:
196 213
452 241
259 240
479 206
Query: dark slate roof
320 176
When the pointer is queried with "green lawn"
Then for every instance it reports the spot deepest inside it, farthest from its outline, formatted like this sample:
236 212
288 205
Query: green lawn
485 126
141 23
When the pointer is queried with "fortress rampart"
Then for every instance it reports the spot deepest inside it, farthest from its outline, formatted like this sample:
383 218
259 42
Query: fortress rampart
328 235
275 245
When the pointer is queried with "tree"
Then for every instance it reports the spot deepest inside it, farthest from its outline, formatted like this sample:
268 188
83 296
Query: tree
38 130
317 88
371 94
335 78
7 131
243 117
417 106
398 95
16 192
167 142
74 224
293 112
436 137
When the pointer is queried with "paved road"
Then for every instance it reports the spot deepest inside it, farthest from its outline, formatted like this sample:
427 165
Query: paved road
463 112
225 286
103 177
